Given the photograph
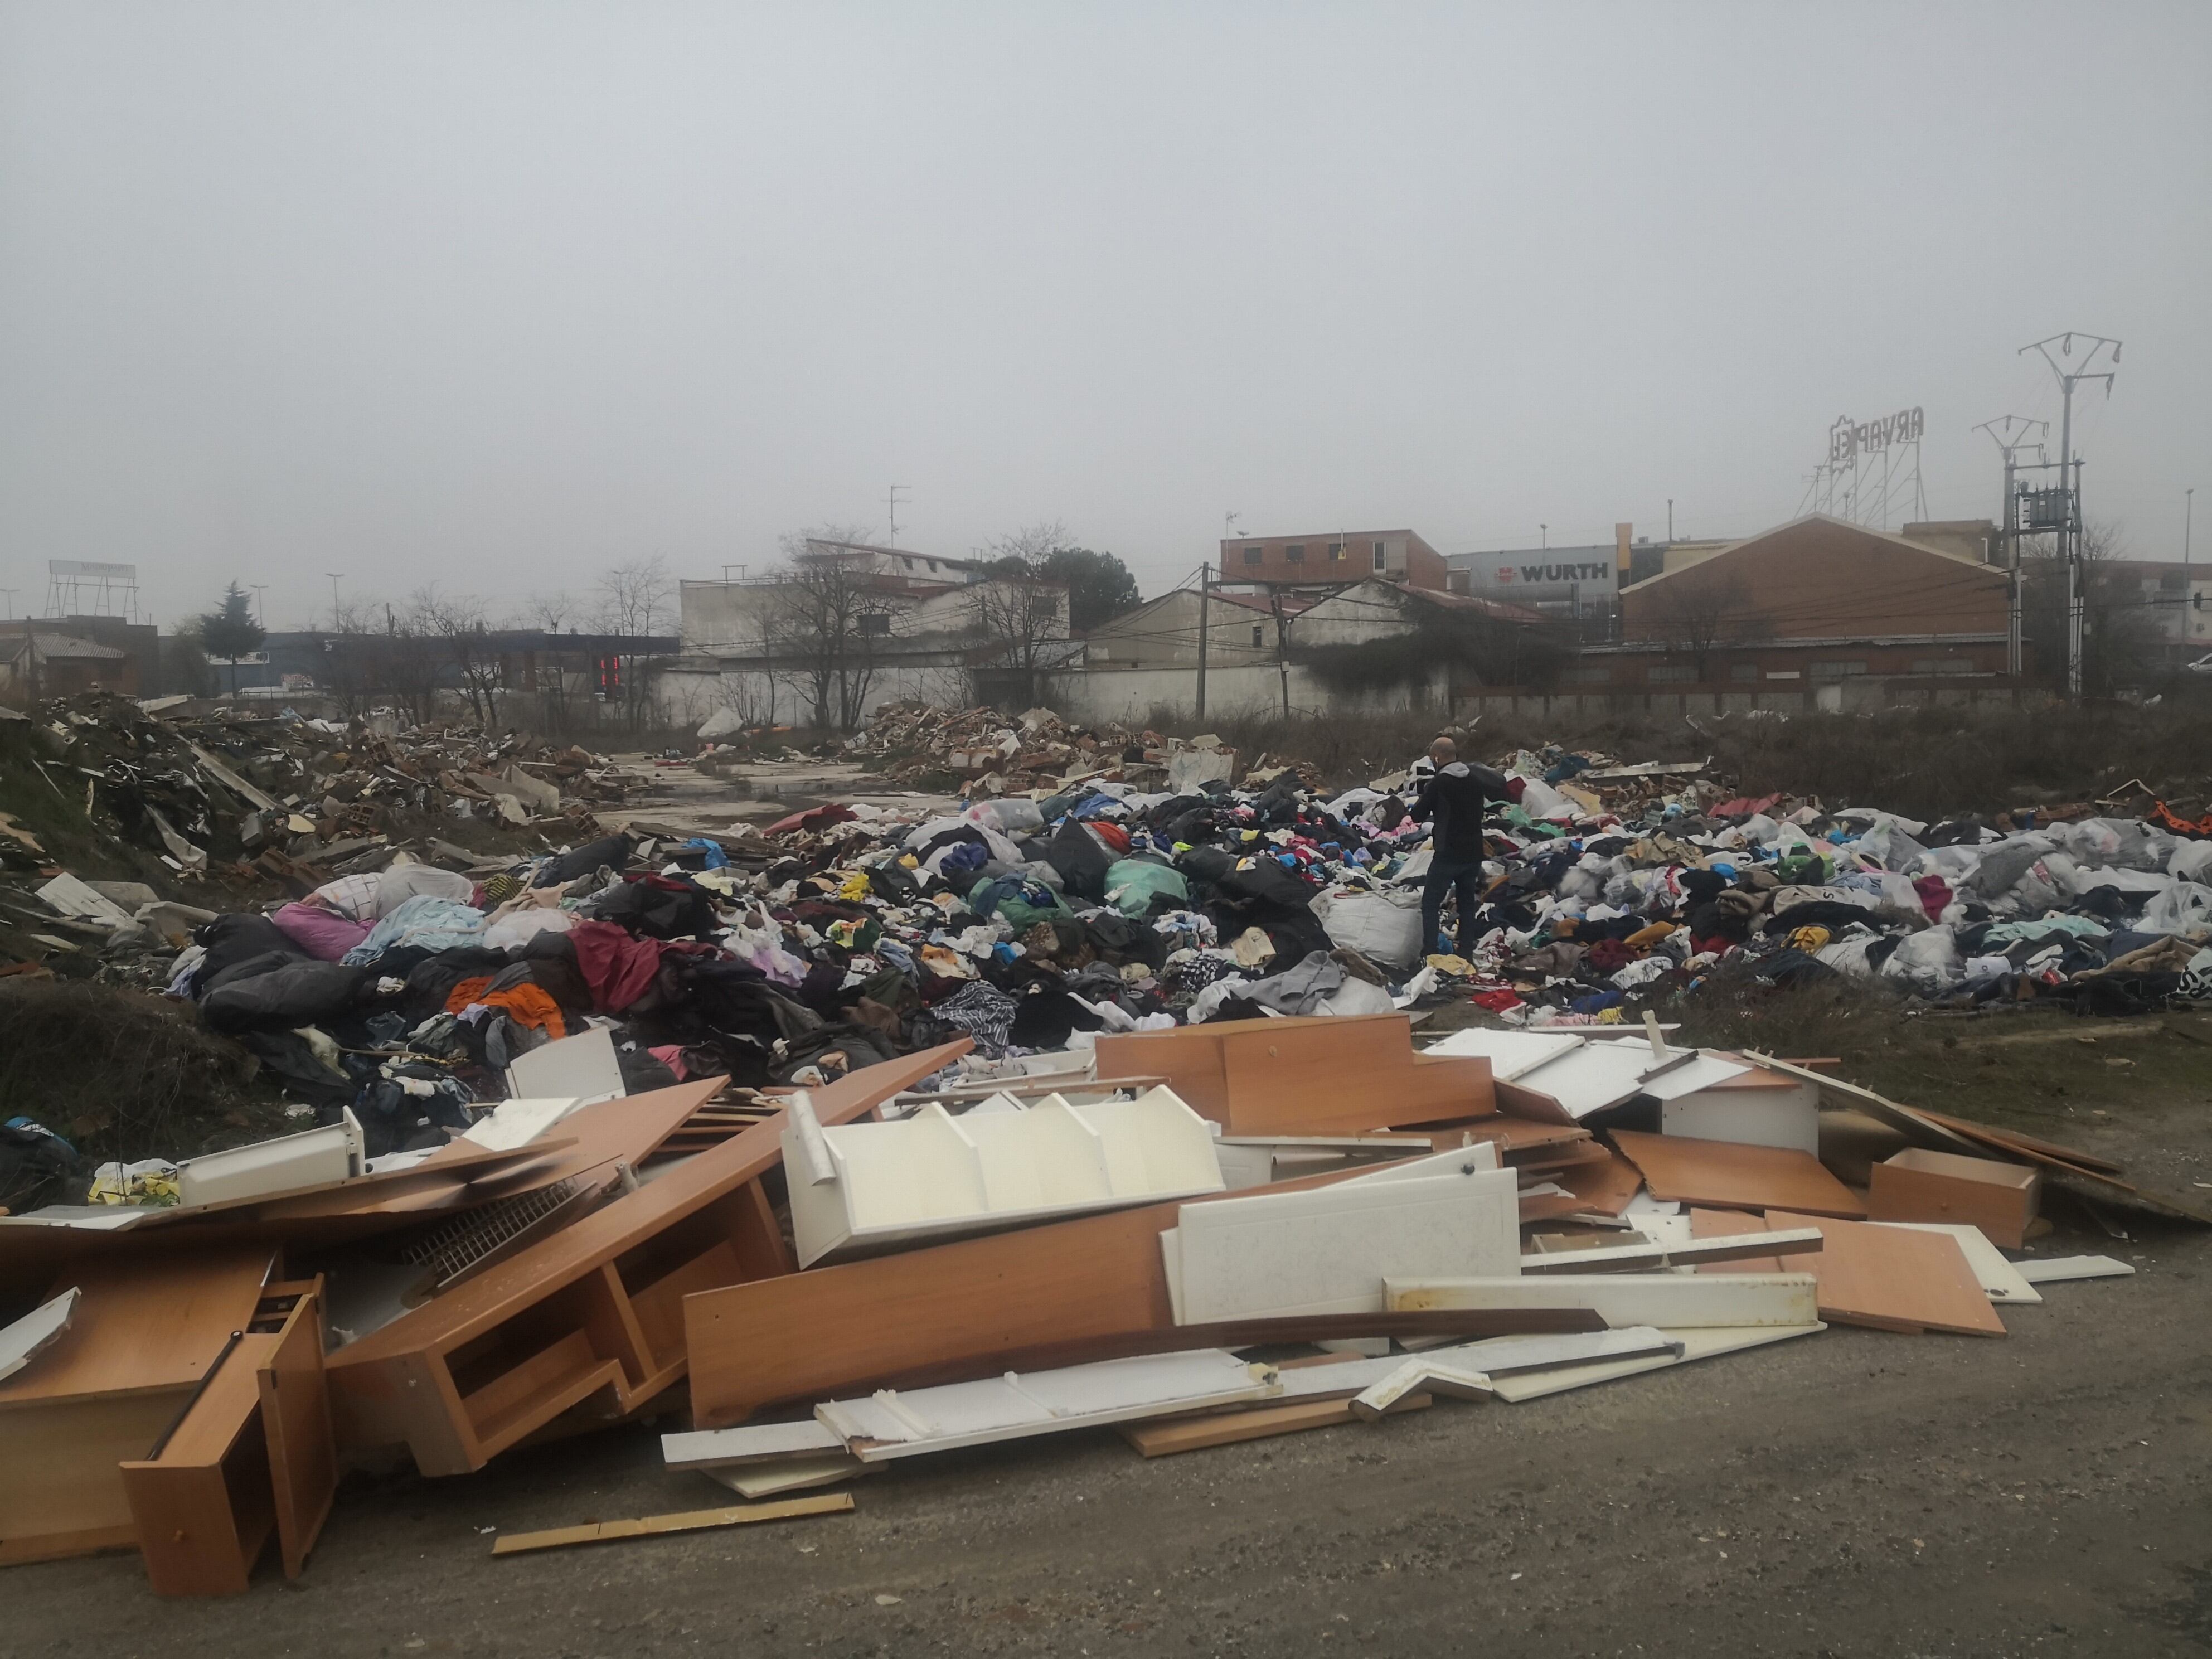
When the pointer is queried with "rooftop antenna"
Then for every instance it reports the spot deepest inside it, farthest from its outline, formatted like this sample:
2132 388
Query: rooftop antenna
260 607
337 624
892 498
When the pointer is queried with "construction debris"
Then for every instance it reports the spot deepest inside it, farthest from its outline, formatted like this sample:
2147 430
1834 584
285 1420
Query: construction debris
889 1133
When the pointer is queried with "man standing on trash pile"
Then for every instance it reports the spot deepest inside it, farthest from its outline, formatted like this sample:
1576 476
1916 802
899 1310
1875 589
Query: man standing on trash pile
1456 798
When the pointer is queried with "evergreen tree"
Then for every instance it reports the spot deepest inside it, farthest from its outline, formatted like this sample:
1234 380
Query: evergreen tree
230 630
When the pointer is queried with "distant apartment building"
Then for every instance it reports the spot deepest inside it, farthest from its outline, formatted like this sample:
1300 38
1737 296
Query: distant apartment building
1333 556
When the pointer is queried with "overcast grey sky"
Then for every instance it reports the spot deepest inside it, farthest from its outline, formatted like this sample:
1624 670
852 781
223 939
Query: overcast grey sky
497 295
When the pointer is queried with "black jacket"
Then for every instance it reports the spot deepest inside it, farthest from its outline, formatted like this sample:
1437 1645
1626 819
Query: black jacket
1454 797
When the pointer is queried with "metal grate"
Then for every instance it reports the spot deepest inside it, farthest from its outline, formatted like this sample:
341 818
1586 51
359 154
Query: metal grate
455 1247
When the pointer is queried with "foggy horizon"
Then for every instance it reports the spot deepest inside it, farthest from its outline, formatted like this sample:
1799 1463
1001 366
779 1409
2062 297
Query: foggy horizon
499 296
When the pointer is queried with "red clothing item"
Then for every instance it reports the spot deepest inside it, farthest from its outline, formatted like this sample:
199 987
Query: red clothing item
619 969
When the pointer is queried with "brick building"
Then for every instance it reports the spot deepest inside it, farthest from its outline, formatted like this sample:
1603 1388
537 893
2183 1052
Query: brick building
1816 601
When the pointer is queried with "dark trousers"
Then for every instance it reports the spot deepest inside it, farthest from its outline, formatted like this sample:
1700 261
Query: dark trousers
1462 878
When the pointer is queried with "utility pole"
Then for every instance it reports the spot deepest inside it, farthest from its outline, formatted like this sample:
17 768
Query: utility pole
260 605
1282 644
1543 537
1205 633
2070 480
2188 523
337 624
10 594
2007 433
892 498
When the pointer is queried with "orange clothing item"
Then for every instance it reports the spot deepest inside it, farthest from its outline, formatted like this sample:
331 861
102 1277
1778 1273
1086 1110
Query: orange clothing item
526 1004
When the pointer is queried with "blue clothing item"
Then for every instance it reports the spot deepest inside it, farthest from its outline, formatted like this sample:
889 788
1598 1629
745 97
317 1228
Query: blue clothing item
433 923
1462 877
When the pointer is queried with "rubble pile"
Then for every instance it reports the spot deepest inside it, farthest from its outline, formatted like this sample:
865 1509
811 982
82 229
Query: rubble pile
227 798
1105 1086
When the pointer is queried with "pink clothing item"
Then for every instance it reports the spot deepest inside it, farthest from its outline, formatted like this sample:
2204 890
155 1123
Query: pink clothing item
671 1056
323 934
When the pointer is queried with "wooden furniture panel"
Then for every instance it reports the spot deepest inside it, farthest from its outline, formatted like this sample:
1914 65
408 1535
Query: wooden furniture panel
296 1421
591 1313
251 1456
1916 1185
1891 1279
1725 1176
1312 1075
1090 1288
145 1333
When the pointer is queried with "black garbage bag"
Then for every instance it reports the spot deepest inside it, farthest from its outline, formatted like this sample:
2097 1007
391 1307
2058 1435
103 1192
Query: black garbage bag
611 851
1081 861
297 994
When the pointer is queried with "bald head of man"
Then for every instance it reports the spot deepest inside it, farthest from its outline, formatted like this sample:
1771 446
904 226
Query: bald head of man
1444 752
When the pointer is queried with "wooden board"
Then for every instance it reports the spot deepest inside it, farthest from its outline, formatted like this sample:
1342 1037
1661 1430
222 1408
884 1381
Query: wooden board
295 1422
1669 1301
1259 1423
144 1326
1605 1187
1724 1175
626 1129
1727 1223
595 1312
655 1526
202 1507
1091 1288
1894 1279
1311 1075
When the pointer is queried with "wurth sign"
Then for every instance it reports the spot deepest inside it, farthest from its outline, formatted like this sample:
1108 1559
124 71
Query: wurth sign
1533 575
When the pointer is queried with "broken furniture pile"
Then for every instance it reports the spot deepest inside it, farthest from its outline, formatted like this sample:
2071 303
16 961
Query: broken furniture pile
1194 1236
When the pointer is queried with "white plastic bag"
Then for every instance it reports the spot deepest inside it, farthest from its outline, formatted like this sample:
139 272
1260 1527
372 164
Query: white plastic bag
1384 925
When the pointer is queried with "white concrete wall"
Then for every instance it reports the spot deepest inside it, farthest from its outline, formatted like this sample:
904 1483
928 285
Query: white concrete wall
687 694
1130 695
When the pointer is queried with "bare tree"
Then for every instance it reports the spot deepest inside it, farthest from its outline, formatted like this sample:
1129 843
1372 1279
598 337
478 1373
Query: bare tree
823 622
1020 610
635 601
553 611
1697 618
457 639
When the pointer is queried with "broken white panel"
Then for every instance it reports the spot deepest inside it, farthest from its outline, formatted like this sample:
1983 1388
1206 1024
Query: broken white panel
1697 1344
2000 1279
1488 1355
313 1157
1460 1161
1511 1055
894 1423
36 1330
68 897
1666 1300
753 1443
1595 1076
515 1123
791 1474
1257 1160
2061 1268
583 1067
1636 1258
933 1175
1425 1375
1329 1250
